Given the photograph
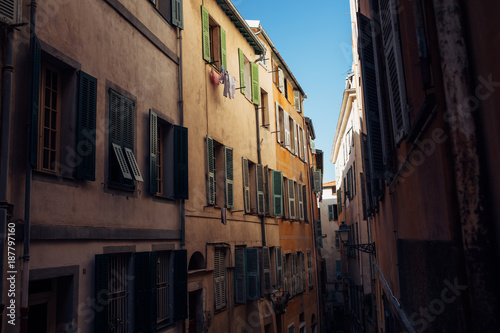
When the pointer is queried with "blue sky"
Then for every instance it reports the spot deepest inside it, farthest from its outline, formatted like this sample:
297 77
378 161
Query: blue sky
314 38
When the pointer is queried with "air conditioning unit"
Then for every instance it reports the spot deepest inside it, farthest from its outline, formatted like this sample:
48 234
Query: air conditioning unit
10 12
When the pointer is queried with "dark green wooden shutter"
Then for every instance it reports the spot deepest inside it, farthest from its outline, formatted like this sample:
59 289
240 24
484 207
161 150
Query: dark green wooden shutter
205 19
277 193
86 127
153 152
266 191
255 84
246 185
252 274
330 212
242 71
339 199
223 53
319 234
177 13
101 292
145 291
210 171
229 177
180 285
181 185
36 63
239 275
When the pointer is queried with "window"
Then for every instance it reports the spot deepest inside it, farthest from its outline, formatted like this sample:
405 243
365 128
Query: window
239 275
168 158
249 79
277 180
291 328
281 80
63 101
339 269
293 136
265 269
297 101
302 270
220 176
253 187
171 10
279 268
264 111
337 239
220 278
281 130
330 212
214 41
252 273
123 167
319 234
291 199
163 288
309 269
300 201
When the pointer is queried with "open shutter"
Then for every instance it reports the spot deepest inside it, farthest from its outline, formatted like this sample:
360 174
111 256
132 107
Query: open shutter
299 142
330 212
181 185
223 52
267 197
296 101
286 124
304 143
205 21
309 269
304 199
253 276
339 200
279 268
239 275
210 171
266 283
281 80
246 185
87 101
317 180
278 133
180 284
260 189
229 177
145 291
153 152
101 292
177 14
133 164
121 161
394 65
291 198
36 64
319 234
300 202
255 84
295 141
277 179
241 57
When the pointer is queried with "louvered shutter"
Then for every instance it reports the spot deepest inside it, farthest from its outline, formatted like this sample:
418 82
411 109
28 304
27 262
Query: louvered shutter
285 274
229 176
296 101
153 152
219 278
260 189
132 162
294 274
267 197
180 285
205 21
305 145
330 212
223 52
121 161
304 199
253 276
317 180
300 154
145 291
255 84
210 171
339 199
278 133
300 202
295 135
239 275
36 64
86 127
309 269
241 57
101 292
281 80
319 234
279 268
181 185
302 264
277 178
246 185
286 124
291 198
177 14
266 283
394 66
371 102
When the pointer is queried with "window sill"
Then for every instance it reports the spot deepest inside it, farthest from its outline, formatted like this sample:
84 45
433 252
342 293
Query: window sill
196 271
159 197
55 178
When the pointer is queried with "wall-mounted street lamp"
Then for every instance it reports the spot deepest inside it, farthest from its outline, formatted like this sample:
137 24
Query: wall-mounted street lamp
344 233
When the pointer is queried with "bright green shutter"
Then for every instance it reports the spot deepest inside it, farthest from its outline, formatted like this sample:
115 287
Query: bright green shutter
255 84
242 71
101 292
181 188
87 101
153 152
36 58
223 53
205 19
277 193
180 285
177 15
229 177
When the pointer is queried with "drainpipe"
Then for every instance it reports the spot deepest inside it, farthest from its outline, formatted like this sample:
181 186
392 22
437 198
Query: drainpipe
27 200
8 70
181 111
259 159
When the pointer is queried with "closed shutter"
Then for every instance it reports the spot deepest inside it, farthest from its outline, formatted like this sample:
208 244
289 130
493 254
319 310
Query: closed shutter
266 283
36 64
260 189
255 84
281 80
87 103
277 179
246 185
145 291
294 274
267 197
229 179
220 278
286 124
291 198
153 152
285 274
180 285
302 264
296 101
241 57
101 292
253 276
181 176
278 133
330 212
210 171
205 20
317 180
300 202
295 141
279 268
309 269
239 275
304 198
305 146
339 199
177 14
319 234
394 66
299 141
223 52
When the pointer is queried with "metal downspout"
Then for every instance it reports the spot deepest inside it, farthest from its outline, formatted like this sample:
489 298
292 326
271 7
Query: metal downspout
181 111
7 73
259 159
